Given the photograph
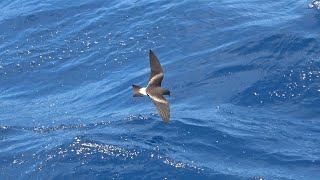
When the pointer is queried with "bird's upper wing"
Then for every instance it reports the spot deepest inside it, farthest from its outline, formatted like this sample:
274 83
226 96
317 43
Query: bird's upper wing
156 74
162 106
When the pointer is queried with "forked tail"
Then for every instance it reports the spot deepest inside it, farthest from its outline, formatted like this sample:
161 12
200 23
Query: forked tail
136 91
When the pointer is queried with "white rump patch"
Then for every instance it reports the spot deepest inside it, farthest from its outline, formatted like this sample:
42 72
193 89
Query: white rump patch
143 91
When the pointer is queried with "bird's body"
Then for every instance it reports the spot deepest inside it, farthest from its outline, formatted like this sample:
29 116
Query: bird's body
143 91
154 90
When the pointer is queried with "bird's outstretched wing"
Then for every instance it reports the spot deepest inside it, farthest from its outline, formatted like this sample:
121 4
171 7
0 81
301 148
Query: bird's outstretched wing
162 106
156 74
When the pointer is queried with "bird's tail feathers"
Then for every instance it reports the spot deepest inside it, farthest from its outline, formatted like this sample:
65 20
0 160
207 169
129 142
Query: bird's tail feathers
136 91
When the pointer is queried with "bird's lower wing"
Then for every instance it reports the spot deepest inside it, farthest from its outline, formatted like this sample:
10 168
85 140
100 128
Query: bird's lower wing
162 106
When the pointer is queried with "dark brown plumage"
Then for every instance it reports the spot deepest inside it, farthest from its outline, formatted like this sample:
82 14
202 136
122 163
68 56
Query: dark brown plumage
154 90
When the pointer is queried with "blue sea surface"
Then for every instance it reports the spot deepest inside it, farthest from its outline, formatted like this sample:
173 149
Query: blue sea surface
244 79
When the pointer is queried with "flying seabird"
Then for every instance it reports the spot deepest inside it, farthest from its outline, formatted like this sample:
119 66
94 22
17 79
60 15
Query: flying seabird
154 90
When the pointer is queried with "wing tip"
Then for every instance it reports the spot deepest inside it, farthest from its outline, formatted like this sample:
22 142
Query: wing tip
151 53
165 121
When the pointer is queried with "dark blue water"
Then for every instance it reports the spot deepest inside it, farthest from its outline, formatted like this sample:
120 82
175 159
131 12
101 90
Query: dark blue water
244 79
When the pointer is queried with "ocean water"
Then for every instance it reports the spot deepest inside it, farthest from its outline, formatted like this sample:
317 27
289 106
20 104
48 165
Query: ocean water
244 79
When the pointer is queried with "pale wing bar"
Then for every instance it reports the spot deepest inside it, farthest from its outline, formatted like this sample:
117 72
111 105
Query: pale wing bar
162 106
156 69
156 80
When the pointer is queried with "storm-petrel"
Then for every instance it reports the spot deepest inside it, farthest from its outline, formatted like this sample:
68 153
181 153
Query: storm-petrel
154 90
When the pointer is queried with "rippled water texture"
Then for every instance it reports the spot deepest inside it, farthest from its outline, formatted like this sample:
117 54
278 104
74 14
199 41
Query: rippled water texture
243 75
